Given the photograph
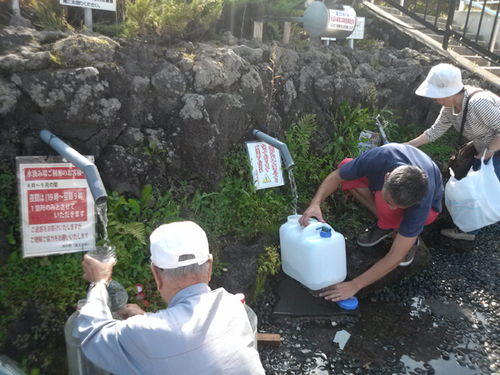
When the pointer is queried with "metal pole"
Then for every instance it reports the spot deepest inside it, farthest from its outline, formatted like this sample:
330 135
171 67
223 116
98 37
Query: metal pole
87 16
15 8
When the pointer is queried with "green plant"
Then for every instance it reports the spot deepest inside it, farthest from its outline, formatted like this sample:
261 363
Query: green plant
170 17
349 122
48 14
154 153
268 264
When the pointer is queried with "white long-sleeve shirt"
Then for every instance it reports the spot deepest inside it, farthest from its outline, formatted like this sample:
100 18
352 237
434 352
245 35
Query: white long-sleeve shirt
481 125
201 332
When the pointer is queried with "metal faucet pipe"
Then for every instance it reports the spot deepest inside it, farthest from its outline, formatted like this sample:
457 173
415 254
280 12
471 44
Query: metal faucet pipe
285 154
82 163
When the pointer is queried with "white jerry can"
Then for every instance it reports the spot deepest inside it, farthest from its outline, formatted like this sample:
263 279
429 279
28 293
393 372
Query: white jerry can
313 255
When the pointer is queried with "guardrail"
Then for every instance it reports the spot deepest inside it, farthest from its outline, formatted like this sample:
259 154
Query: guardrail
475 29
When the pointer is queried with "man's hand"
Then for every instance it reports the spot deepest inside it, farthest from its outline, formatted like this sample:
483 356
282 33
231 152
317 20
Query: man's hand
93 270
130 310
339 292
312 211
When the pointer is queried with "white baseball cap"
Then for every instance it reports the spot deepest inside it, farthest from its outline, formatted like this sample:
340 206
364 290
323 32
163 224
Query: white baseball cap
443 80
179 244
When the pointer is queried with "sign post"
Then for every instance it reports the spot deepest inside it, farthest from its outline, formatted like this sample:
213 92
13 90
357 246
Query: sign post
89 5
57 209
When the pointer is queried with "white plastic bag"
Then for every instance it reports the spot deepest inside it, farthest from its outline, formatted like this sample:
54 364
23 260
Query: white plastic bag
474 201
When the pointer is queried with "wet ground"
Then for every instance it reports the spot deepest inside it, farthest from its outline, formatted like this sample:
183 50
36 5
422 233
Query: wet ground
445 320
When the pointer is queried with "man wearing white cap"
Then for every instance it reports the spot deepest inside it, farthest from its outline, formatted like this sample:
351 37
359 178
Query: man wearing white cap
200 332
482 123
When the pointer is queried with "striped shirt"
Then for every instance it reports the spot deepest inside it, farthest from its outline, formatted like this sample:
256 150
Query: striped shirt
481 125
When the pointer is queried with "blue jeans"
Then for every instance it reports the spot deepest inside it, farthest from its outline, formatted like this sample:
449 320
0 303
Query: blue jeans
476 164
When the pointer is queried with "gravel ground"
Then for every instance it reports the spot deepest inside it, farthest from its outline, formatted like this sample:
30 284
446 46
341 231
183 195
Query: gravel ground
446 320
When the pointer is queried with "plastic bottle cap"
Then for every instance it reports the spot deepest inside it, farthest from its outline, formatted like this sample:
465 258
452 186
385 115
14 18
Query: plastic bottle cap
139 288
325 231
348 304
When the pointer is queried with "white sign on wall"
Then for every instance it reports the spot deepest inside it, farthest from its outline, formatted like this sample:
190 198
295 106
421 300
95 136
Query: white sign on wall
57 209
266 165
91 4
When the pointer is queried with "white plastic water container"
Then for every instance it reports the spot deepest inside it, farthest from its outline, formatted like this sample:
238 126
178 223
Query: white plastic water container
313 255
252 317
77 362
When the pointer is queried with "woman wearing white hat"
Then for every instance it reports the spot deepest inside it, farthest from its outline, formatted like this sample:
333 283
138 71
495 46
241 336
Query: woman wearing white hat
482 123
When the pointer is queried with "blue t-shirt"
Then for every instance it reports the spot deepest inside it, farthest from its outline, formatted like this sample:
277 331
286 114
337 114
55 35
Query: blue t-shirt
375 163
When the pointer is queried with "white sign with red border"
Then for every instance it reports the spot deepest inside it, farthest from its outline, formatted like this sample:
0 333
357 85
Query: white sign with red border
57 209
266 165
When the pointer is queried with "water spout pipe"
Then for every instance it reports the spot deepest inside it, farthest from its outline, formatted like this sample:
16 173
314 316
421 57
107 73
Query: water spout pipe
285 154
82 163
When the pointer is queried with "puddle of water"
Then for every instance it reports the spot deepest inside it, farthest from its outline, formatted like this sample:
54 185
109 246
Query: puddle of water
440 366
417 307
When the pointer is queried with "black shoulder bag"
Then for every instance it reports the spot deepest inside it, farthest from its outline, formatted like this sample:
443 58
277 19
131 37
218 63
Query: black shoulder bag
461 160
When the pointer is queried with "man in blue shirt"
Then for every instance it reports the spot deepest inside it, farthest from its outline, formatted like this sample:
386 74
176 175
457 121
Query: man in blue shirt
402 187
202 331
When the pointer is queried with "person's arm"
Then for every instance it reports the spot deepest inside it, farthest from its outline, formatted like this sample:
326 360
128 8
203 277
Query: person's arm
492 148
421 140
327 187
345 290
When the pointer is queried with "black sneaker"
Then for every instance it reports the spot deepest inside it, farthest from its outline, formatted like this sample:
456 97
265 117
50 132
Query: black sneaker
411 254
374 236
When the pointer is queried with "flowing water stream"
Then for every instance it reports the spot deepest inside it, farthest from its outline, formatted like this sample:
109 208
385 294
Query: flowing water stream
293 186
102 212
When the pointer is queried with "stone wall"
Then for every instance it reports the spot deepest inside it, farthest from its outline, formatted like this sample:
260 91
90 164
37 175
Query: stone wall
194 102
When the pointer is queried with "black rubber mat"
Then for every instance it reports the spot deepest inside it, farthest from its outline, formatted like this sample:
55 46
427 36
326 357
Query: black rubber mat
296 300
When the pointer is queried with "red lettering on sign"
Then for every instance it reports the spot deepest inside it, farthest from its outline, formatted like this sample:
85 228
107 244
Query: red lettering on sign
57 206
53 173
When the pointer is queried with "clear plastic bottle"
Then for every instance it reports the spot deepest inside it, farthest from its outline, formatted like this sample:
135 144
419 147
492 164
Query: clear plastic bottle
78 363
252 317
118 298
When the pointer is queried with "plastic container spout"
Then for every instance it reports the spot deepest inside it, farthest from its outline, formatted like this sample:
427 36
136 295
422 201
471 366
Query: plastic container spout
82 163
285 154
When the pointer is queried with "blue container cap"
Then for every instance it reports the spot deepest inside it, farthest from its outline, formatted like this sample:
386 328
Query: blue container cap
325 231
348 304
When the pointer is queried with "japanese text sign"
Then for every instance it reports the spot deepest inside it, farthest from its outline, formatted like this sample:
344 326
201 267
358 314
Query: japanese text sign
266 165
57 208
91 4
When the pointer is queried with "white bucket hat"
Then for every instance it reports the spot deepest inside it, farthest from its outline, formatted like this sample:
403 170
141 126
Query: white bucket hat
443 80
179 244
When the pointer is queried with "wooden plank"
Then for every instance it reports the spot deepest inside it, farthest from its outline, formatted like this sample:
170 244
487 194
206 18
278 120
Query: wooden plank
286 32
258 30
270 339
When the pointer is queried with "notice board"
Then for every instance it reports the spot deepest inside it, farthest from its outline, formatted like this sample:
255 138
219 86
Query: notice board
57 210
266 165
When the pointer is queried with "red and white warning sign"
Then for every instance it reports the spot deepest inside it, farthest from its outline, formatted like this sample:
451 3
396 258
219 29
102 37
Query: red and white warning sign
57 209
266 165
342 19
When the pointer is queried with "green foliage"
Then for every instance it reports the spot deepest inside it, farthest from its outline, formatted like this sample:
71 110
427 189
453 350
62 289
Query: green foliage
442 148
48 14
237 207
170 17
269 263
154 153
348 125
